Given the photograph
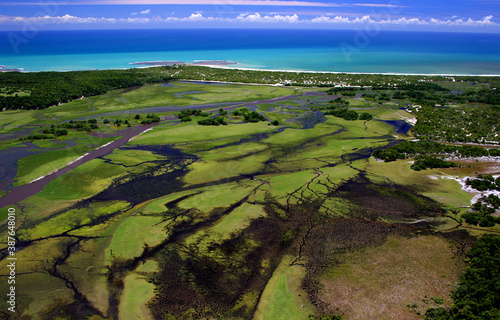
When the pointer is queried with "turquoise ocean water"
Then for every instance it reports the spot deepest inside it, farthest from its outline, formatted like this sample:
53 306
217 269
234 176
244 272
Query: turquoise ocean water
301 50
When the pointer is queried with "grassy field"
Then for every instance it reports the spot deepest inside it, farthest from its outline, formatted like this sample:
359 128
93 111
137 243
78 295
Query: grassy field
157 95
283 298
134 234
191 132
397 280
136 294
431 182
33 167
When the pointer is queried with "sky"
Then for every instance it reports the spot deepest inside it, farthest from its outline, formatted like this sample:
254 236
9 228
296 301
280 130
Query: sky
415 15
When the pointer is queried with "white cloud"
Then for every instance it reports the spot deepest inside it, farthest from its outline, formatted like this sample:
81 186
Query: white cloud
255 18
142 12
486 21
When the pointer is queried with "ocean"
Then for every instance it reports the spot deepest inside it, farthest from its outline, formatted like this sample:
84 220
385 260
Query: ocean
284 49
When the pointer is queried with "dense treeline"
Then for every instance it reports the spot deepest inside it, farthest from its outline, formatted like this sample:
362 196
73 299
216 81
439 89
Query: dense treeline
431 163
347 114
478 294
150 118
185 115
484 183
467 124
376 81
411 149
55 131
51 88
249 116
213 121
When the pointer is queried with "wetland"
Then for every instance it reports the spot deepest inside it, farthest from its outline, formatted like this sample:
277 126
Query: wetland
174 220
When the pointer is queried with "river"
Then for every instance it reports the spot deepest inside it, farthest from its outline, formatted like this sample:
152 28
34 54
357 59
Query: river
22 192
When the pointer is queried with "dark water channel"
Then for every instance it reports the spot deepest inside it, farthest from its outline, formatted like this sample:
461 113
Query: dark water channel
146 186
22 192
400 126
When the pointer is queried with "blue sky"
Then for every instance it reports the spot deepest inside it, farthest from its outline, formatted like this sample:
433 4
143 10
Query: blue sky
431 15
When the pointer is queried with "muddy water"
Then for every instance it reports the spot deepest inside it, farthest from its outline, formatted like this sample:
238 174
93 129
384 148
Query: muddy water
22 192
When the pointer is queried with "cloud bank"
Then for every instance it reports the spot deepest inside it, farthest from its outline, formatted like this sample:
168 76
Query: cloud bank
255 18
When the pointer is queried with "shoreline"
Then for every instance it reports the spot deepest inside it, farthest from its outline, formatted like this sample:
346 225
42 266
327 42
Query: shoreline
224 64
361 73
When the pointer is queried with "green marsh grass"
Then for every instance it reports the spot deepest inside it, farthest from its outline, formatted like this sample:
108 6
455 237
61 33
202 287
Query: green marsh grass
35 166
136 294
283 298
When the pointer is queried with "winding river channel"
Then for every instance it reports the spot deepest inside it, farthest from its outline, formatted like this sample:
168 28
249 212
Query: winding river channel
22 192
307 120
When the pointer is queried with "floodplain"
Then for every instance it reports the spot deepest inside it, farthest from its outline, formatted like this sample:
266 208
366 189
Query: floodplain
237 221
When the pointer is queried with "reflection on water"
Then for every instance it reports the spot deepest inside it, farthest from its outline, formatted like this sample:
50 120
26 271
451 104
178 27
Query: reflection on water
400 126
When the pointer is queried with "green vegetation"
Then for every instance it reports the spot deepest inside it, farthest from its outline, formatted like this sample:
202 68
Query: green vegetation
431 162
249 116
51 88
463 124
213 121
484 183
192 221
482 211
150 118
185 115
477 296
343 113
408 149
35 166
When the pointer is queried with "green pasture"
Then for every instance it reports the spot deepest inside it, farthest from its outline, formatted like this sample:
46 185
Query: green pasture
158 205
282 117
11 120
280 185
35 166
191 132
136 294
132 157
133 234
205 171
359 103
83 181
430 182
283 298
